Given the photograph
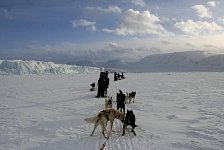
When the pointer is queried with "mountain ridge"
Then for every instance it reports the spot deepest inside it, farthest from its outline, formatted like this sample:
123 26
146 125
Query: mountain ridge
188 61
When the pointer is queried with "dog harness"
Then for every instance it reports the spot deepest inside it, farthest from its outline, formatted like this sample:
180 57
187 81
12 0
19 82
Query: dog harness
106 113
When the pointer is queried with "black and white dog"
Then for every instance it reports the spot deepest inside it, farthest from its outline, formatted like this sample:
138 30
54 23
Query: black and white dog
93 87
130 96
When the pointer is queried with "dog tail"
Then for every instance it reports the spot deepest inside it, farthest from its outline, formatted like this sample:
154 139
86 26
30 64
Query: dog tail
91 120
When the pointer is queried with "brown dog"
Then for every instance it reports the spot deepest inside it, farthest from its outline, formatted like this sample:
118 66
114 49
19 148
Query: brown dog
103 117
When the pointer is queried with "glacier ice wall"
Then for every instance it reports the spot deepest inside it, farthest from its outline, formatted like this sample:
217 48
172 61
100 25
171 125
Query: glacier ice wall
20 67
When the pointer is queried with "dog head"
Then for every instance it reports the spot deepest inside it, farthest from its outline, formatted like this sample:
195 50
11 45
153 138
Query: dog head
109 100
130 116
129 113
92 85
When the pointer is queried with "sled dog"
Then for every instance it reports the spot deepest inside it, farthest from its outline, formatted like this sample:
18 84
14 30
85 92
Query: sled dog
130 96
129 120
108 102
93 88
103 117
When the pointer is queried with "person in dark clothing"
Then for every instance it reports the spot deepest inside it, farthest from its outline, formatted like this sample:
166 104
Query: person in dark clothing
100 86
121 101
122 76
118 76
106 81
115 76
103 84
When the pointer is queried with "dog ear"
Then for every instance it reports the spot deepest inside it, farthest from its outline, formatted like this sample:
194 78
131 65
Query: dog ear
132 112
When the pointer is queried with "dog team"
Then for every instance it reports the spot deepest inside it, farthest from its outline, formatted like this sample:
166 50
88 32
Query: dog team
109 113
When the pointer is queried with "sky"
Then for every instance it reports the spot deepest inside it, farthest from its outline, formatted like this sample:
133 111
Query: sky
67 31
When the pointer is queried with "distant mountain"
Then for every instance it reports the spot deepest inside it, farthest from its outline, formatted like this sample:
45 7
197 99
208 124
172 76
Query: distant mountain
178 62
115 63
214 63
85 63
188 61
40 67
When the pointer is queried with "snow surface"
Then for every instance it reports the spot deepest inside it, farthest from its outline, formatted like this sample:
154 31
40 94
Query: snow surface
40 67
174 111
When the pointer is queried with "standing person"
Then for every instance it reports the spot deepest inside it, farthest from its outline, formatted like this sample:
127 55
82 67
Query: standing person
121 101
115 76
122 76
118 76
103 84
100 92
106 83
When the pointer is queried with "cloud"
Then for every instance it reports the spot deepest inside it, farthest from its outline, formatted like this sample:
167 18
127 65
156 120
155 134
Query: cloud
112 45
108 30
85 23
138 2
221 20
198 27
137 23
202 11
110 9
166 42
209 46
190 45
212 3
126 50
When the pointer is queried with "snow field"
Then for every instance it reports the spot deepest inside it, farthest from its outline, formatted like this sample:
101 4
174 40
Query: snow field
174 111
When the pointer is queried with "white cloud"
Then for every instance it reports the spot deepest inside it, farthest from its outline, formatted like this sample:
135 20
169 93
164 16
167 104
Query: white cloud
110 9
202 11
198 27
138 2
85 23
112 45
137 23
212 3
107 30
221 20
128 49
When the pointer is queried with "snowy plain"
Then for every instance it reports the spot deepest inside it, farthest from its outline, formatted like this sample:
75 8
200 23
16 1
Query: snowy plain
174 111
